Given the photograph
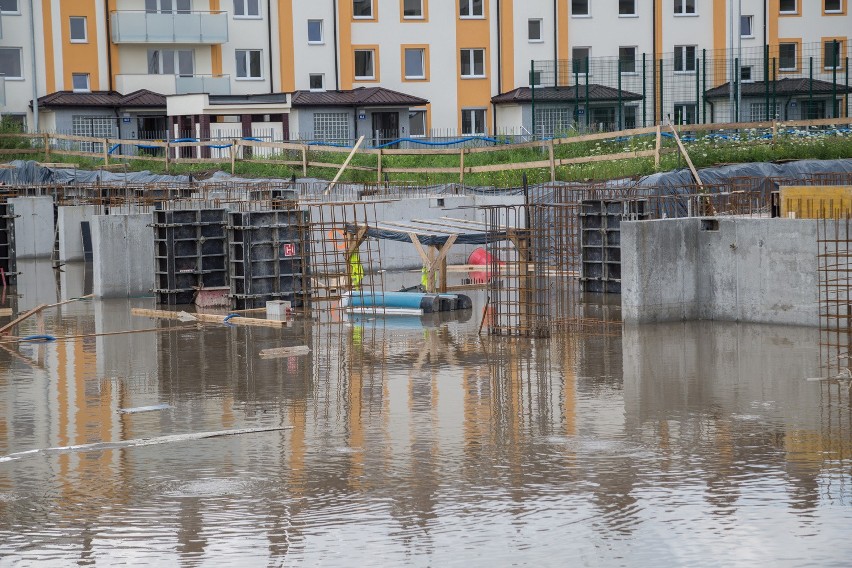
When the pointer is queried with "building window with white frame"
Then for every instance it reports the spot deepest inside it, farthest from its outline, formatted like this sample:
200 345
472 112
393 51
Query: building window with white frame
78 29
415 63
627 59
315 32
169 6
80 83
171 62
365 64
362 9
473 63
758 111
580 8
316 82
626 7
247 8
473 121
684 59
332 126
472 8
746 75
417 123
684 7
553 122
10 62
9 7
684 113
413 9
580 59
249 64
747 26
833 6
788 56
789 7
534 30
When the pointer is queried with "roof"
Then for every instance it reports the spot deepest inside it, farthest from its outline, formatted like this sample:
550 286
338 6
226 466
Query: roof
110 99
262 98
362 96
783 87
597 93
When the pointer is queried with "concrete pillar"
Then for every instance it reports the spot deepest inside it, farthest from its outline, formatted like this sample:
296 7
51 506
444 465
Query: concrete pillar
33 226
69 221
123 255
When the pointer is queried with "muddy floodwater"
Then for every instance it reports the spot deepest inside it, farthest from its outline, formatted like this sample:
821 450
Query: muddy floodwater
414 442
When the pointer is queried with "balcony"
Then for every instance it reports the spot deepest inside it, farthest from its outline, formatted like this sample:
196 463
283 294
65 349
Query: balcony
169 27
175 84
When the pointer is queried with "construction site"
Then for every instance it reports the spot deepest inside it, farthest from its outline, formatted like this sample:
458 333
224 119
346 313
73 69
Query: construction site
391 344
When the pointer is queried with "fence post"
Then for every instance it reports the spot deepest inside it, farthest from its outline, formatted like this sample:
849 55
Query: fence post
461 166
233 155
168 155
106 151
46 138
304 160
657 147
550 145
379 168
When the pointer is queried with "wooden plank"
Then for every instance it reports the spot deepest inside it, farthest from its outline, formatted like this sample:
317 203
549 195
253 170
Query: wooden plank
278 352
273 162
607 157
13 151
658 144
11 325
420 230
419 247
208 318
507 167
343 167
422 170
421 151
5 312
686 156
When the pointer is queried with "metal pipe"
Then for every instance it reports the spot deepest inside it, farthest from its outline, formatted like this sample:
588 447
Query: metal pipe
644 93
336 50
34 67
269 43
555 43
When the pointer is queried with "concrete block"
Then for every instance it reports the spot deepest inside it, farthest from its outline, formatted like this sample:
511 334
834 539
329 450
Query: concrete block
34 228
69 221
123 255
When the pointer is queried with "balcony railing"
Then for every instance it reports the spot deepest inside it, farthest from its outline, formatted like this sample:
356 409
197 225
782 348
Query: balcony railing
175 84
169 27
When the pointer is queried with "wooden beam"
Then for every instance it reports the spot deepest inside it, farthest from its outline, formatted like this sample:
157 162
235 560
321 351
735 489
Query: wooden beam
686 156
11 325
207 318
343 167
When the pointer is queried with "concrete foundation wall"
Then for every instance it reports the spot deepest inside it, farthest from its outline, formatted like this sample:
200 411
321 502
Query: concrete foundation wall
123 255
724 269
69 220
33 227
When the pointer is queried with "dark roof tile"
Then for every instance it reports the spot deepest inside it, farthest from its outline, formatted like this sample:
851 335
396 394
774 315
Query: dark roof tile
784 87
597 93
362 96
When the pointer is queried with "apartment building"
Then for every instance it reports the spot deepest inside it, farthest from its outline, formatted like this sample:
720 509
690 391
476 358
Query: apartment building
470 59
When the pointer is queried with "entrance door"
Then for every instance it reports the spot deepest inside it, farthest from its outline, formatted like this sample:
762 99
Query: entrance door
603 118
385 127
814 110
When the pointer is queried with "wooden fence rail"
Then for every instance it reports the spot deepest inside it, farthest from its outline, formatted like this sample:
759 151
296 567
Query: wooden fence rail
238 150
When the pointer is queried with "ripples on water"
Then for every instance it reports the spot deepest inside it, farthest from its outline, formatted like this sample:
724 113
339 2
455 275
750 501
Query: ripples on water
687 444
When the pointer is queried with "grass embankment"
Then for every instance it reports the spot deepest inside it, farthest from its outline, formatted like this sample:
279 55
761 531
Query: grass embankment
707 150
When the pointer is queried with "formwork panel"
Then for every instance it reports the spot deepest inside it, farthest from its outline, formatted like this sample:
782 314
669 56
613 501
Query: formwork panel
7 242
600 241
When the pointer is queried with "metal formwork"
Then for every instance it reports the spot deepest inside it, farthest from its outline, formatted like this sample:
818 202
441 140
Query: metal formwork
7 242
600 226
268 257
190 253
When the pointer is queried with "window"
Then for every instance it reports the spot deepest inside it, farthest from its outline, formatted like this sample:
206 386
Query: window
684 113
684 7
10 62
747 26
80 82
745 74
473 63
534 30
417 123
364 64
630 117
627 59
684 58
316 82
535 78
552 122
471 9
332 126
249 64
580 58
246 8
314 31
362 9
415 63
9 7
579 7
78 29
626 7
833 6
171 62
832 58
412 9
789 7
170 6
787 56
94 127
758 112
473 121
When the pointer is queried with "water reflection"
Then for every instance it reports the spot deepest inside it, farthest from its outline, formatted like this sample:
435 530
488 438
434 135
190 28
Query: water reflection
419 442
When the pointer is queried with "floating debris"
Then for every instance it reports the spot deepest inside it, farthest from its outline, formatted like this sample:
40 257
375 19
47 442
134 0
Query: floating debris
151 408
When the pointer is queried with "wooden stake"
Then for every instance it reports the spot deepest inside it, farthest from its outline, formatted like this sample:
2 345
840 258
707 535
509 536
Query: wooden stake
686 156
343 167
304 160
658 147
106 152
552 161
233 150
461 166
379 168
46 147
